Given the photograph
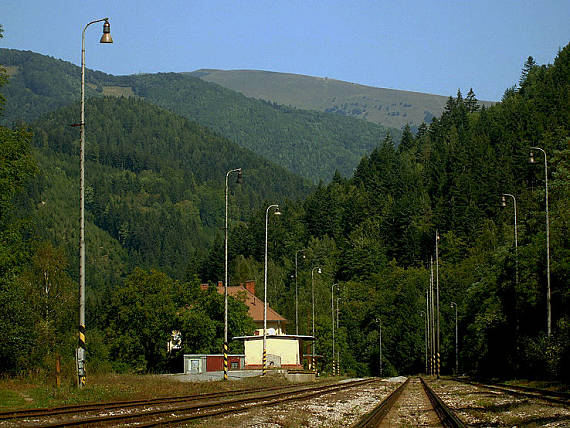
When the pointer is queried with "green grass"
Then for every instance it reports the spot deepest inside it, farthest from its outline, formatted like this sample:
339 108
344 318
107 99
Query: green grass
23 393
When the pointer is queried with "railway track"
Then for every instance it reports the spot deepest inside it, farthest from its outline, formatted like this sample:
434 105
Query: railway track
169 411
407 406
522 391
480 404
110 405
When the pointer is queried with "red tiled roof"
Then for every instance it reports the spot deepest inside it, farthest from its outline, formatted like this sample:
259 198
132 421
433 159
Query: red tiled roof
254 304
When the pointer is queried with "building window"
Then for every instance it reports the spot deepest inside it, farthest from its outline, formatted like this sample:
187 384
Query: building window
234 365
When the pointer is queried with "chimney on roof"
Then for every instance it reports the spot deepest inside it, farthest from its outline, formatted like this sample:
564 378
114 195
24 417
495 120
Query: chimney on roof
250 286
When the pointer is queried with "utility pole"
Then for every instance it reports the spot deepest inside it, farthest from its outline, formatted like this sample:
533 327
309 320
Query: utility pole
438 362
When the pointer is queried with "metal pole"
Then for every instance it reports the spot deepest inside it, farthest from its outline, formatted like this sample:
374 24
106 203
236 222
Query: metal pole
337 329
297 294
432 311
424 316
516 238
332 319
265 293
456 341
438 354
313 312
226 278
428 344
80 353
380 329
548 310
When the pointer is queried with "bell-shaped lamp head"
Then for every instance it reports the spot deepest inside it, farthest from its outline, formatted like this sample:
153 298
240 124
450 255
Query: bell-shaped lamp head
239 177
106 37
503 201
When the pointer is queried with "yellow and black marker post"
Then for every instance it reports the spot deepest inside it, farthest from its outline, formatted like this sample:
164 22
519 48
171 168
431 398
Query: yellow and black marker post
225 360
264 362
81 357
438 365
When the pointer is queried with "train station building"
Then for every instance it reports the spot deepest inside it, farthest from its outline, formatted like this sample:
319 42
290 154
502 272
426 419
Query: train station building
283 350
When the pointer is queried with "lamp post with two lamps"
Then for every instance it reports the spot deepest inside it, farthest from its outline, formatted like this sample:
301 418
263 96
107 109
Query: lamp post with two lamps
80 353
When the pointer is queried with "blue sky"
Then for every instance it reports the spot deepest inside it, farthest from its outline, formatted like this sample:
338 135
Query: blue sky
427 46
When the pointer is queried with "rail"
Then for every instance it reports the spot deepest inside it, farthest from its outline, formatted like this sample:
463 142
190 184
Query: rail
446 415
374 417
169 414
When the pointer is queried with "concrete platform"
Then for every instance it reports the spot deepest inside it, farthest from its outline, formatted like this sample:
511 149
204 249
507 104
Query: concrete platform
213 376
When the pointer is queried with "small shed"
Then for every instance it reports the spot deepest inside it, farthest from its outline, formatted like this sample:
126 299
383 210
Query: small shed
200 363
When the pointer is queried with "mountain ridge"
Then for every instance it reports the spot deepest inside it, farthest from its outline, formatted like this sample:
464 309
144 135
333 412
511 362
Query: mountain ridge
307 142
385 106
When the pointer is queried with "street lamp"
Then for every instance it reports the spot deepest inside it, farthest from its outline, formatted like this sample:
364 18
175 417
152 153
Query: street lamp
380 342
504 204
453 304
239 176
548 313
332 318
277 212
80 353
297 293
338 330
318 269
424 315
432 320
437 302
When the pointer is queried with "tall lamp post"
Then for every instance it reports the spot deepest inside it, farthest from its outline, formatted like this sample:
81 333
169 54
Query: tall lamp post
432 320
424 315
504 204
297 293
332 318
453 304
338 330
277 212
548 312
80 353
438 363
379 322
239 176
318 269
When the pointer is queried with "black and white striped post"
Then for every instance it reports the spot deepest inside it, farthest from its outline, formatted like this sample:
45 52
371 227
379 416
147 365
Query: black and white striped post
80 352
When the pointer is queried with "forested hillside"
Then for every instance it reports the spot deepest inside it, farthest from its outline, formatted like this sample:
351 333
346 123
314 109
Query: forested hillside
155 181
155 201
311 144
374 235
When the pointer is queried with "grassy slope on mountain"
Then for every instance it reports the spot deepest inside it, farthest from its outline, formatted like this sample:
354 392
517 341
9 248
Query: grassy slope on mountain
387 107
308 143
